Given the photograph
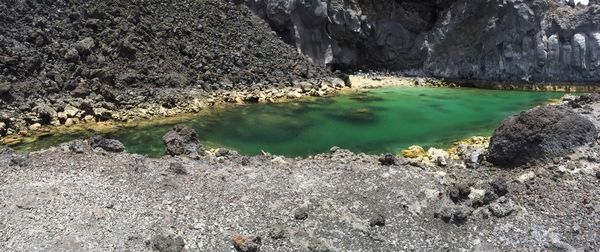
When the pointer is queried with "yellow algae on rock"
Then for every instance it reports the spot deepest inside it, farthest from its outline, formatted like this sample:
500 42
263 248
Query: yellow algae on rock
414 152
479 142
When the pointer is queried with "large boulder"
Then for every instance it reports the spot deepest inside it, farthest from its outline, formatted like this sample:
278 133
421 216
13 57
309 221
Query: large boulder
182 141
539 134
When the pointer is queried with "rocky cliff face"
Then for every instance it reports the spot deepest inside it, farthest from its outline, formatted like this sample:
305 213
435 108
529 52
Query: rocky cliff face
349 34
504 40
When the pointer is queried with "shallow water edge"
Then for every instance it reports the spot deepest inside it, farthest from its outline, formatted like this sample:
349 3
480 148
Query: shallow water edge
369 120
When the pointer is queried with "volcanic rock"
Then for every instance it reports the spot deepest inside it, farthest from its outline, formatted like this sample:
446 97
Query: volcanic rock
245 243
182 141
539 134
110 145
167 243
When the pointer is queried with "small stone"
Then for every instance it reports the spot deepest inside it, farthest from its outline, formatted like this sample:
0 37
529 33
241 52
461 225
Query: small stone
167 243
89 119
301 213
4 87
72 55
556 160
334 149
489 197
562 169
2 128
85 46
576 229
221 152
69 122
438 156
461 215
77 146
81 91
245 243
598 174
35 126
377 220
316 245
279 160
177 168
46 113
502 207
21 160
278 232
453 213
500 186
388 159
459 192
484 213
102 114
70 111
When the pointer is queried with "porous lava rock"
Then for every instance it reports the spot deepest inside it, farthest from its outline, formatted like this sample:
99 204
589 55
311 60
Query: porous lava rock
539 134
182 141
110 145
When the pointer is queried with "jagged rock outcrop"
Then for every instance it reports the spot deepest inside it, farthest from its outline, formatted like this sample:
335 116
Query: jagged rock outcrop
499 40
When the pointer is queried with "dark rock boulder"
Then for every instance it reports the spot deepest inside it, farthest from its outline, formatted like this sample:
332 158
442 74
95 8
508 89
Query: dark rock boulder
182 141
110 145
539 134
388 159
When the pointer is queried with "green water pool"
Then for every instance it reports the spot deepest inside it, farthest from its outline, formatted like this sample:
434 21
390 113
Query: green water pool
376 121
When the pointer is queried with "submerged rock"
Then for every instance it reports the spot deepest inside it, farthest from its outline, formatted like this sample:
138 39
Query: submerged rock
182 141
110 145
539 134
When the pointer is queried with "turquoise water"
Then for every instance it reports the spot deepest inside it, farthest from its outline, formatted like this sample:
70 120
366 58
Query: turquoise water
377 121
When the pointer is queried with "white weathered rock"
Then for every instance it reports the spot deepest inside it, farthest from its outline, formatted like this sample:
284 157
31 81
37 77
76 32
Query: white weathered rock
35 126
70 111
439 156
89 119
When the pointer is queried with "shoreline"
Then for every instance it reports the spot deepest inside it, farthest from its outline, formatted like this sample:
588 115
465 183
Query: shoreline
200 102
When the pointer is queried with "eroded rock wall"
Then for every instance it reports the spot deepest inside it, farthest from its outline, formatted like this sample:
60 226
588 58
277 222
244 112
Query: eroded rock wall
502 40
516 41
350 34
